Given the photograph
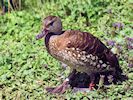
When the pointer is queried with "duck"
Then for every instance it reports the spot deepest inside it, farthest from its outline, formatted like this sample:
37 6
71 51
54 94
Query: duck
81 51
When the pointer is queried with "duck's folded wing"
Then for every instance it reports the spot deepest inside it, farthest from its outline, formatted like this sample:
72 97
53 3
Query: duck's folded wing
85 43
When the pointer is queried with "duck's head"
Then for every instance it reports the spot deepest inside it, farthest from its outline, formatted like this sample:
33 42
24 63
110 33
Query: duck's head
51 24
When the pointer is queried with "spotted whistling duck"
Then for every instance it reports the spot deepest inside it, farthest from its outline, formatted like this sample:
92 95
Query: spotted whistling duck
81 51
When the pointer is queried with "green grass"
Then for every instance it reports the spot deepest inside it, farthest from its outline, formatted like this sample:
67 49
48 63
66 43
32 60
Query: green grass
25 66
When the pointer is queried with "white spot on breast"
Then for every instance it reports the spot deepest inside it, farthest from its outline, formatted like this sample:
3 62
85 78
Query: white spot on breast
65 51
77 49
96 57
74 54
91 62
88 56
67 48
83 57
94 63
98 66
93 57
100 61
107 62
79 55
69 41
104 65
69 53
73 48
108 67
86 60
83 52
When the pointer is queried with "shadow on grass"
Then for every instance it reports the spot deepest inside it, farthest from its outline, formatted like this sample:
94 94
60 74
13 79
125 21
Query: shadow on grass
82 80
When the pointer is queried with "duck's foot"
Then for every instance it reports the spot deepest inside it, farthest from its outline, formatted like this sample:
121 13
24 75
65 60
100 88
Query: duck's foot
92 79
60 89
91 86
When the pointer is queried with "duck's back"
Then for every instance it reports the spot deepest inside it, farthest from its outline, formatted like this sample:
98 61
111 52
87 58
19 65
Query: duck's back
82 51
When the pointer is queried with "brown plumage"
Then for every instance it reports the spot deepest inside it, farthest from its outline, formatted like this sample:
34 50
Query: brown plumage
80 50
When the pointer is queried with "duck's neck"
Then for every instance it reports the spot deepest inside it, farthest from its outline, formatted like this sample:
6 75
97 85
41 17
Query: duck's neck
47 38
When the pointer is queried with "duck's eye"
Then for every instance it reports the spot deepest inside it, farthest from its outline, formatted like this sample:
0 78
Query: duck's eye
51 23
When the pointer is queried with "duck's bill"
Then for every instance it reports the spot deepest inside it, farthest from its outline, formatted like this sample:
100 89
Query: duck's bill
42 34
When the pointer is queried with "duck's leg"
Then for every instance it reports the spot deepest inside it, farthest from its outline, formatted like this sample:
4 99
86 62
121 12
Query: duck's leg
61 88
101 81
92 80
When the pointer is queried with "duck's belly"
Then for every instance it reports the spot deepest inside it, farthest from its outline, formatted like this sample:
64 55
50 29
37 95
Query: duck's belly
84 63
